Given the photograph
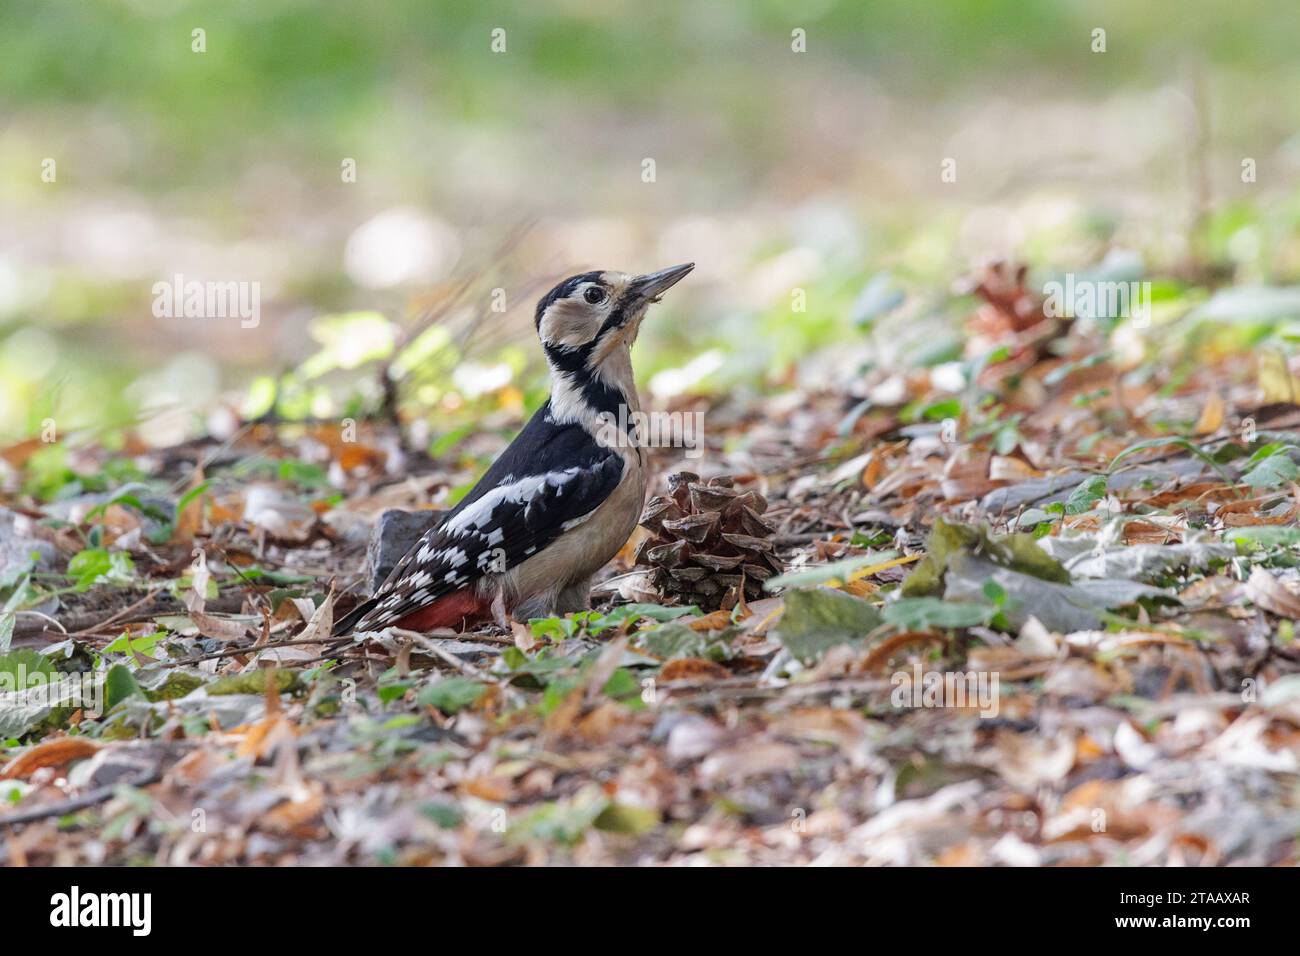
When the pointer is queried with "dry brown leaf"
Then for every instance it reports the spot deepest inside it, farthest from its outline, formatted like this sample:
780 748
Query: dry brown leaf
560 720
1211 419
1010 468
19 453
1245 513
1028 762
860 588
192 769
523 636
966 476
626 556
1089 750
294 816
1111 809
190 520
491 788
218 628
265 735
52 753
227 509
692 668
596 726
963 854
715 621
871 474
1193 493
884 651
118 521
321 621
747 759
831 724
355 455
1267 592
1150 532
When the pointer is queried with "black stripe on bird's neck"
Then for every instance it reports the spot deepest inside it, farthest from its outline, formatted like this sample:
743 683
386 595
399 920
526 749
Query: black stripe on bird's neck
618 317
569 363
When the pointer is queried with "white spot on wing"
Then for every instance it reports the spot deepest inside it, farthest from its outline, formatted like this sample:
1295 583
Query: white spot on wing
516 492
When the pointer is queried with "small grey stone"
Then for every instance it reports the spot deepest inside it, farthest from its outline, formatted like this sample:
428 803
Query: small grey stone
113 765
395 533
18 541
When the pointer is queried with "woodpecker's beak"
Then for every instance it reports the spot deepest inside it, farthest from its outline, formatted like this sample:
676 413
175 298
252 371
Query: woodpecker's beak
621 327
656 283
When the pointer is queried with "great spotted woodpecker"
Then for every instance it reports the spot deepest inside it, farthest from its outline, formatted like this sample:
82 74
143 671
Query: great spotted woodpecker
562 499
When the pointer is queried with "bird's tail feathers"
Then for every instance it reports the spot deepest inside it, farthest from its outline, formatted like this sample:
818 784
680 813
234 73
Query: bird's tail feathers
344 625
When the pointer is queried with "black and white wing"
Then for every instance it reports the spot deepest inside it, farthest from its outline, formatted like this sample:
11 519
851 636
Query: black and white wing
550 479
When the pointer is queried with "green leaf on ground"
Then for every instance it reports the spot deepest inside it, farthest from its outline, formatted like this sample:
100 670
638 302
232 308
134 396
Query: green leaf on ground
100 566
21 708
924 613
119 684
817 619
451 694
1018 552
1085 497
254 682
1271 471
625 818
677 640
1262 537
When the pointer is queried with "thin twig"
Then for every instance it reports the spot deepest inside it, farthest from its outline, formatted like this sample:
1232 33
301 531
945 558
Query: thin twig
236 651
43 616
78 623
425 644
511 695
63 807
115 617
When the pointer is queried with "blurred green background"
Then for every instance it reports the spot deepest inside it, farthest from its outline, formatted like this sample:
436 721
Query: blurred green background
481 170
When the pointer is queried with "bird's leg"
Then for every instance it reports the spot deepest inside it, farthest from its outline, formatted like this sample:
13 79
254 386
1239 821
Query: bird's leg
499 610
564 600
574 597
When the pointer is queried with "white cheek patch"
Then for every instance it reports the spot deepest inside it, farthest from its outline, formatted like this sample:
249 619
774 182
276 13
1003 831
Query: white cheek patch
570 323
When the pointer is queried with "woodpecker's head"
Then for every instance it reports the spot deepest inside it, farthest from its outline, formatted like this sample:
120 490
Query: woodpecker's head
591 318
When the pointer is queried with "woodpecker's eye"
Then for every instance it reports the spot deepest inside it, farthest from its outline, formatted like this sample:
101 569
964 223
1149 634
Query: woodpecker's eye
595 295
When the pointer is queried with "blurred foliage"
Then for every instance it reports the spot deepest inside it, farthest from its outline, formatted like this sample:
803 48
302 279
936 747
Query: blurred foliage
777 172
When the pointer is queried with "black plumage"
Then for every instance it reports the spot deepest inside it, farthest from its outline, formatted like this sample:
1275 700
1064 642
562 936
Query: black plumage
551 477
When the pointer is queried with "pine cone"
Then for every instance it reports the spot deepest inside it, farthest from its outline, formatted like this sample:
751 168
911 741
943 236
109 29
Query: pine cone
707 541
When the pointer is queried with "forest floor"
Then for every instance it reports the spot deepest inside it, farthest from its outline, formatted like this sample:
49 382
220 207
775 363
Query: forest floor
1045 618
